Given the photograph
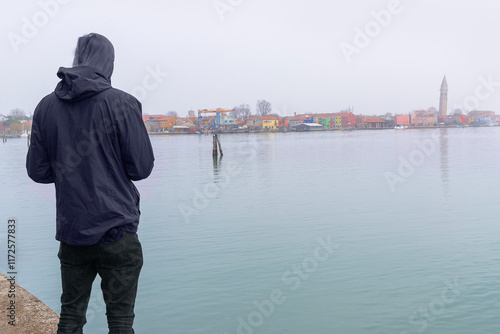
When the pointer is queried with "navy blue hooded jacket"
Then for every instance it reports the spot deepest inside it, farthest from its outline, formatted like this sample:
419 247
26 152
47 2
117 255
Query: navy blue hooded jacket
89 139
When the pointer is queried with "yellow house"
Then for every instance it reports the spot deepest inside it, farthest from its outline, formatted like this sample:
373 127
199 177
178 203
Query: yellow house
338 121
269 122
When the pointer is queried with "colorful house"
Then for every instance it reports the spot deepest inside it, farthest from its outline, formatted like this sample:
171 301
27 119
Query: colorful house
325 121
283 122
373 122
403 120
345 120
159 123
253 122
309 119
294 120
423 120
269 122
348 120
298 119
184 125
227 122
337 121
480 117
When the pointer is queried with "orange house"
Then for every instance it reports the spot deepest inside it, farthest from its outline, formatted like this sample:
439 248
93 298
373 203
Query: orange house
159 122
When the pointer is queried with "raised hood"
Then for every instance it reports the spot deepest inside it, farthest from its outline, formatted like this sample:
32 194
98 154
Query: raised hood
91 71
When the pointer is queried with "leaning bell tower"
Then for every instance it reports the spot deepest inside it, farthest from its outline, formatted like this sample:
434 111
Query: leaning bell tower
443 98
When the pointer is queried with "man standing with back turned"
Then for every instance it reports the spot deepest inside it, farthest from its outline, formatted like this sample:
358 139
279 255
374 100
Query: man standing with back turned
89 139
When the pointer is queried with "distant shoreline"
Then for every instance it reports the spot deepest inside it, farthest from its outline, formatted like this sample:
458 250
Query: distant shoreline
321 130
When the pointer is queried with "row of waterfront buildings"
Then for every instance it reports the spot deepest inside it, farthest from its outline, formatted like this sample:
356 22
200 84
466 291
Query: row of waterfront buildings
322 121
223 122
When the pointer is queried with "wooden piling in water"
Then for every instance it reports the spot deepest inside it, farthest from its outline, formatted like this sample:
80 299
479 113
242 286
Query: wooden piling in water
214 149
216 142
220 147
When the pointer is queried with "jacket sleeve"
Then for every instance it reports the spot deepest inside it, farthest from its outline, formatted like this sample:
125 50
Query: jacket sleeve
38 164
136 149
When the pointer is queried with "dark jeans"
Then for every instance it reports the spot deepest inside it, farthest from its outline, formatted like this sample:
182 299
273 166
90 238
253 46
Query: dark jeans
119 264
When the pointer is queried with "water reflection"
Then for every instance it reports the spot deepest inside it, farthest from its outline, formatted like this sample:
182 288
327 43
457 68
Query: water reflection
217 168
444 161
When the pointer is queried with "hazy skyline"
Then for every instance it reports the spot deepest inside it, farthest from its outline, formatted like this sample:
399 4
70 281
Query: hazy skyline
303 57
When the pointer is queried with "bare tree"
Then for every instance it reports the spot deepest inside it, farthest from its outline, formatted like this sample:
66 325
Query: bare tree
172 113
263 108
234 113
17 112
457 111
245 110
241 111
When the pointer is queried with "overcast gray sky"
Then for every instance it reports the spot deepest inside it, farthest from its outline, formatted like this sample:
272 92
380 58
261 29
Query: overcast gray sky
302 56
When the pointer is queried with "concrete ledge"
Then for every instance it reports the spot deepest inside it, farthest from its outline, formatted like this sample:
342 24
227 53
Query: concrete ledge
32 315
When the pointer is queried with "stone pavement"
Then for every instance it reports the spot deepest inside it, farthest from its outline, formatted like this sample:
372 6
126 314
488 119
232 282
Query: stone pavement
31 315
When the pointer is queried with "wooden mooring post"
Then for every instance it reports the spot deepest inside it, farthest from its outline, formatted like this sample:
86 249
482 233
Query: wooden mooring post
216 142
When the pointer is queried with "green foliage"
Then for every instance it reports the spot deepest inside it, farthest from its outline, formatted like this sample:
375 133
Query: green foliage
10 121
390 123
18 118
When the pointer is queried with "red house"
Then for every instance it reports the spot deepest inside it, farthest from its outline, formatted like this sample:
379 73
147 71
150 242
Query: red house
403 120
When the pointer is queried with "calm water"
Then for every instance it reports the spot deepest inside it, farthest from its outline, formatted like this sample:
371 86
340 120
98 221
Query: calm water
330 232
